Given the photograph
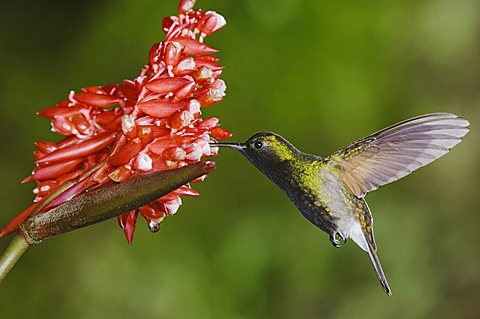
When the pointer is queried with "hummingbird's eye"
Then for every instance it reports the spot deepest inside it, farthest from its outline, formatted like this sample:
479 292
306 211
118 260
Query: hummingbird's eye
258 145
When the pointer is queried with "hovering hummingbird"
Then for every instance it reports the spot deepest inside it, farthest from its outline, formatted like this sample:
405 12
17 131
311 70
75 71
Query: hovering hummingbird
330 191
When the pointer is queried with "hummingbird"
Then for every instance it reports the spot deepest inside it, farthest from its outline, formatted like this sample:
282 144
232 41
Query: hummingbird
330 192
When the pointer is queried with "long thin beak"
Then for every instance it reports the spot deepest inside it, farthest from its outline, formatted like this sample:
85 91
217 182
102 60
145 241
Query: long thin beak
236 146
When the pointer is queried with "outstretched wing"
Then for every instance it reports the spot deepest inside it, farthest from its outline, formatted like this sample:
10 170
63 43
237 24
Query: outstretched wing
398 150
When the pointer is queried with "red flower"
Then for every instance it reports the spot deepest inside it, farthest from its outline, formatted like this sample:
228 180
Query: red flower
151 123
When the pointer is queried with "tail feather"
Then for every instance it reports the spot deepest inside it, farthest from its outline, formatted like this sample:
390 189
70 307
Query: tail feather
378 267
363 237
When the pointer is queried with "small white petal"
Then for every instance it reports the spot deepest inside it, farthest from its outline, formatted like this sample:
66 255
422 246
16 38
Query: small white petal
186 118
196 154
205 73
194 107
144 162
187 64
128 123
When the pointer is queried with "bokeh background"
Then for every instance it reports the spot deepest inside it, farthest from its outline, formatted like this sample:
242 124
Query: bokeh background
321 73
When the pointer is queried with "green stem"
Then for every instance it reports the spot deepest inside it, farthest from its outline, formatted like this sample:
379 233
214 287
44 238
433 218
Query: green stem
12 254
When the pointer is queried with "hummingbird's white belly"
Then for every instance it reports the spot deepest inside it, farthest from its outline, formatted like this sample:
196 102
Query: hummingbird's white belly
342 205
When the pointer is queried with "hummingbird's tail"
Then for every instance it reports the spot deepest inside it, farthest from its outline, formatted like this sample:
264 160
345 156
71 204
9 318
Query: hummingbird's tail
372 253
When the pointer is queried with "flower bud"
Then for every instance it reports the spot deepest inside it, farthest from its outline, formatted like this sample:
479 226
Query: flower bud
173 51
211 22
185 6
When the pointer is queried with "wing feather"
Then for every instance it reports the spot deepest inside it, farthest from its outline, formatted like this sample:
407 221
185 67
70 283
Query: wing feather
398 150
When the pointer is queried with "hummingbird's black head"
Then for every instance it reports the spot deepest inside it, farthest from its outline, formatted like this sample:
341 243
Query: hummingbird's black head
266 150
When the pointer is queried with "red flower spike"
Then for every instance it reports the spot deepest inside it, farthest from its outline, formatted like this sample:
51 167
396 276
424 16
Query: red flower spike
149 123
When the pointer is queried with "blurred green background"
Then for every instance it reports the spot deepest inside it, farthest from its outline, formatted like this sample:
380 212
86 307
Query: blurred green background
321 73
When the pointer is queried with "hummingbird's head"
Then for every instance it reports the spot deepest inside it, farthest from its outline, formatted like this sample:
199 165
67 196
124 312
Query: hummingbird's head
264 149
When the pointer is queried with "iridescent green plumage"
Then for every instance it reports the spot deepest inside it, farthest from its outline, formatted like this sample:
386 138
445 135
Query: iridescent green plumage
329 191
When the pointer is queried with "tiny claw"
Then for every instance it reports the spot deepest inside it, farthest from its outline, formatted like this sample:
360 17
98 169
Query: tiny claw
337 239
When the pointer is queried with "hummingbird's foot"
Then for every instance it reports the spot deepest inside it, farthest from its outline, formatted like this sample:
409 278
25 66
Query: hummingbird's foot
337 239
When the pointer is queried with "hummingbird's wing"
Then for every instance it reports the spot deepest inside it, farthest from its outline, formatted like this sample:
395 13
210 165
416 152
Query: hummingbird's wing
398 150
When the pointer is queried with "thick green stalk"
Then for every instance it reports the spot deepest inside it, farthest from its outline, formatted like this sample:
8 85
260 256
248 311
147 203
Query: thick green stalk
12 254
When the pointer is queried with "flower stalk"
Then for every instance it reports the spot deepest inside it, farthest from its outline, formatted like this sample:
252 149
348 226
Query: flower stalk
12 254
